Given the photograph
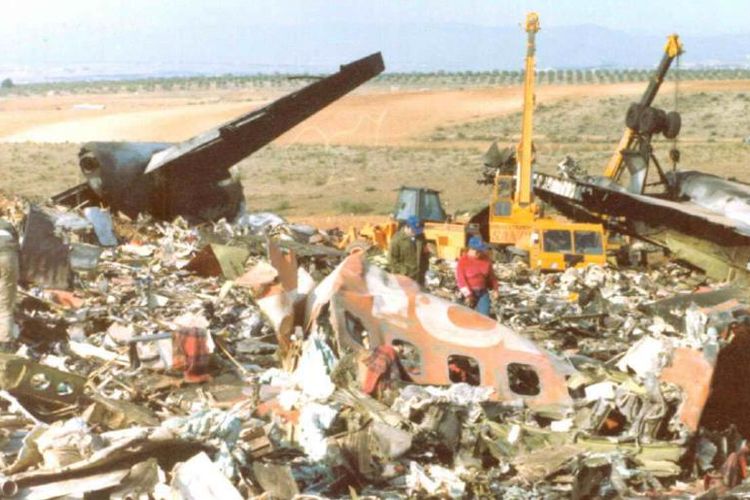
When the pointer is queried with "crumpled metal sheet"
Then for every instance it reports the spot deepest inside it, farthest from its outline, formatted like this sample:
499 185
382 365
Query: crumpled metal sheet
219 260
719 195
45 256
102 221
199 479
38 383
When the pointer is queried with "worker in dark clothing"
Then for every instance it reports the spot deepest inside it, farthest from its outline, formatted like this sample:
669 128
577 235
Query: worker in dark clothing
408 254
475 276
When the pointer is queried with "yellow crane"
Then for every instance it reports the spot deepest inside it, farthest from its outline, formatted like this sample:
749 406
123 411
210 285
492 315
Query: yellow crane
516 221
642 121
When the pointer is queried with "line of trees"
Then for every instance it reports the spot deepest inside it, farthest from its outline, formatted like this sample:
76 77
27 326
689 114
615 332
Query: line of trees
419 80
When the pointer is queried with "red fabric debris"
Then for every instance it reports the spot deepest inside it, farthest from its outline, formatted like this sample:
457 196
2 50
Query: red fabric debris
379 363
190 353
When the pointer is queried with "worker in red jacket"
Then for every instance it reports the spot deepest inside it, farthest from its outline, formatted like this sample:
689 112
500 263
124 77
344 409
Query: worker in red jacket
475 276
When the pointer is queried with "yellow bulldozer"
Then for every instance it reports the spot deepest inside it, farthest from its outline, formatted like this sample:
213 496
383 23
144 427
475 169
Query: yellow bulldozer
446 236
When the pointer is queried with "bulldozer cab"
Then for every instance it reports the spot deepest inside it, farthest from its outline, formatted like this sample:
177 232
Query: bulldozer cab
555 245
420 202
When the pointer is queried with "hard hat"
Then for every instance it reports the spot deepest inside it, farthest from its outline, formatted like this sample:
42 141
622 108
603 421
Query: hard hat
414 224
476 243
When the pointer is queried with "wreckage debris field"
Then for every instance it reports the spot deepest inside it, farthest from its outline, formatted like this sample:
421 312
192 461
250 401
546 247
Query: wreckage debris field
593 382
256 358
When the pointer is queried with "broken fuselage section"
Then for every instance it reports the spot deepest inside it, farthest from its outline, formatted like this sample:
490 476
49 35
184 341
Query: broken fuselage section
367 307
193 179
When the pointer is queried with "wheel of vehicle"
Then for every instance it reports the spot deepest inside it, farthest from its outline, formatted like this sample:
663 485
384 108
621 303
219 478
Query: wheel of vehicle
673 125
651 121
661 120
633 116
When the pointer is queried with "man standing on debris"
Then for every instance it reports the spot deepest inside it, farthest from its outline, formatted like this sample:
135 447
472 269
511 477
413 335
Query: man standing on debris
408 253
475 276
8 283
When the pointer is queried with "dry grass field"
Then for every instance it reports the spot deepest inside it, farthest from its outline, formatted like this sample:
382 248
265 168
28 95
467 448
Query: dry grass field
351 157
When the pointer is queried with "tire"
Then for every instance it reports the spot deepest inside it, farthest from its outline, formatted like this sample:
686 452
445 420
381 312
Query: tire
632 117
651 121
673 125
661 120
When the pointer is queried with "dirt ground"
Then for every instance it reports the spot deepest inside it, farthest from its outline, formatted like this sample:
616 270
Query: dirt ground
344 164
364 118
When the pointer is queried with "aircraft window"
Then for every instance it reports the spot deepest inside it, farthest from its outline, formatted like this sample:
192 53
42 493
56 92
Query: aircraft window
407 204
409 356
432 209
557 240
523 379
502 208
588 243
463 369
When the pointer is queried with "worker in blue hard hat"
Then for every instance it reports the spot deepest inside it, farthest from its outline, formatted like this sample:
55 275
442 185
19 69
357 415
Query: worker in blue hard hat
475 276
408 254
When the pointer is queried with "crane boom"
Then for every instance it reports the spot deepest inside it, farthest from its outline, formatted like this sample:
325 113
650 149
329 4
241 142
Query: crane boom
672 49
524 193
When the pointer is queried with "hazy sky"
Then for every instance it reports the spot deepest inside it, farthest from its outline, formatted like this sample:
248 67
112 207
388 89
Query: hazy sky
45 18
215 36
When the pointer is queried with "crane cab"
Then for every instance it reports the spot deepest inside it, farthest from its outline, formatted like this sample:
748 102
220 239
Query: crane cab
556 245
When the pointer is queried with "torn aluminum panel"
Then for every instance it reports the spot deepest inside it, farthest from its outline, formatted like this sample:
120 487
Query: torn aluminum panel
74 488
200 479
729 400
280 289
122 447
84 258
690 369
637 169
102 221
44 254
33 382
440 335
721 196
192 179
709 301
219 260
276 479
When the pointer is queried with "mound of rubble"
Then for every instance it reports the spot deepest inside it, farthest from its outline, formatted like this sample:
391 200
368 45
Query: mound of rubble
239 360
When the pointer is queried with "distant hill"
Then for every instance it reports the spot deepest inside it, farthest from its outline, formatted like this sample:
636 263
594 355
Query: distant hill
320 47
